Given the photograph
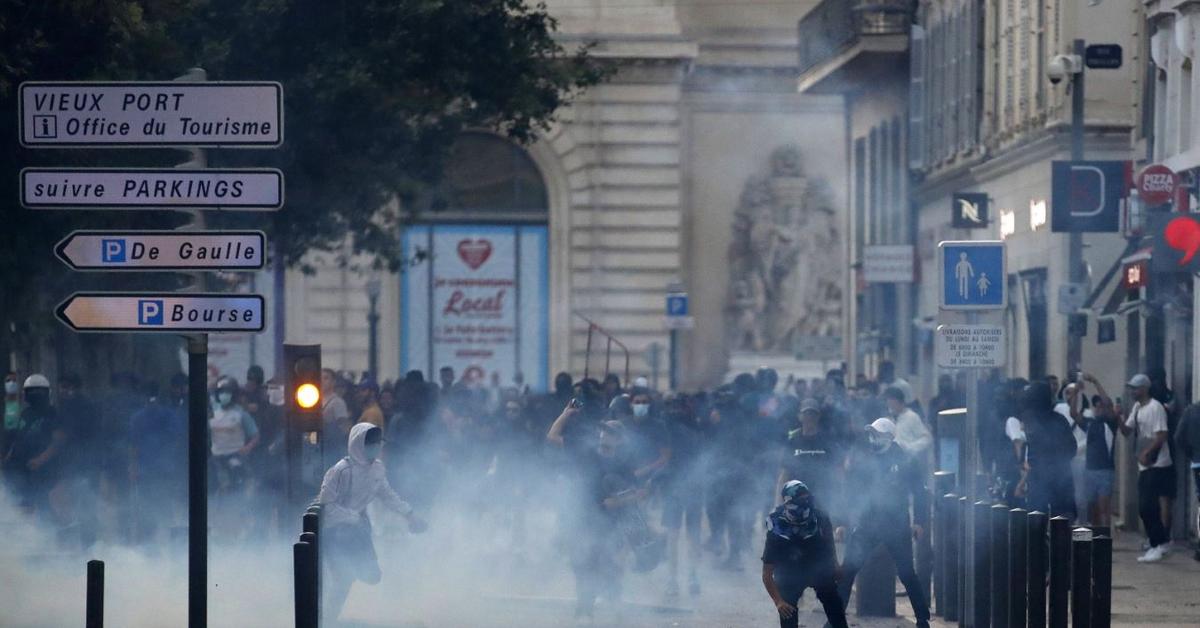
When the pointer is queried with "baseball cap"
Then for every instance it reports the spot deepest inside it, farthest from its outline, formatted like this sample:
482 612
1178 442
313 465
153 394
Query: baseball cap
883 426
1139 381
809 405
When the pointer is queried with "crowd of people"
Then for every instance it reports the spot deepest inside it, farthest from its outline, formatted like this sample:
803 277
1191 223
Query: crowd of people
637 479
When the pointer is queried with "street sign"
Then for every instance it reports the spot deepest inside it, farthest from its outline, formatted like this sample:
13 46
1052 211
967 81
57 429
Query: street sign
162 312
970 346
969 210
163 250
1176 242
1102 56
1086 196
677 304
973 275
151 188
888 263
1156 185
97 114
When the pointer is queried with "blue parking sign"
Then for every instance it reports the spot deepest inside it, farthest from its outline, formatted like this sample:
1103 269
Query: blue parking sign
973 275
677 304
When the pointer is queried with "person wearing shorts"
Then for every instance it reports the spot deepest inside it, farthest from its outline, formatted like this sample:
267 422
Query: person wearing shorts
1099 469
1147 423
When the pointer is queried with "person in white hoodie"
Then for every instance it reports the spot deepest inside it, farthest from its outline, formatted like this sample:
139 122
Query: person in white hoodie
349 486
911 433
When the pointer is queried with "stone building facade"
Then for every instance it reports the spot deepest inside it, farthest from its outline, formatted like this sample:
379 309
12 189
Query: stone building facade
646 181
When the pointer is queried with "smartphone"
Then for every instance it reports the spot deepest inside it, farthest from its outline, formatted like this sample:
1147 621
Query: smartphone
576 403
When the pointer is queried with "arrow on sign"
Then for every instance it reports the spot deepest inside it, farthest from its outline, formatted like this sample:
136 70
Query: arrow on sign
162 312
163 250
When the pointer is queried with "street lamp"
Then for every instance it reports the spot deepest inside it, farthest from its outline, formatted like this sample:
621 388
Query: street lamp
373 289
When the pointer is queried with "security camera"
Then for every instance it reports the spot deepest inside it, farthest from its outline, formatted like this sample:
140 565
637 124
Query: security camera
1061 66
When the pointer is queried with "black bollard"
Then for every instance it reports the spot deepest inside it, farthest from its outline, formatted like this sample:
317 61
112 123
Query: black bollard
1081 578
963 549
1060 571
1035 578
306 596
947 601
983 565
999 588
95 594
943 484
1018 551
310 523
1101 582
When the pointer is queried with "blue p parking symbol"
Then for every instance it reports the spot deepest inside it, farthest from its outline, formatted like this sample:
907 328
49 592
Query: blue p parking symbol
112 251
150 312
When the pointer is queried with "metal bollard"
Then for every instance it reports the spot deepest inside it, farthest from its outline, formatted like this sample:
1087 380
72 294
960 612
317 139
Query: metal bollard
943 484
1035 578
1101 582
305 602
1060 571
948 603
1018 552
95 594
963 549
1081 578
999 588
983 563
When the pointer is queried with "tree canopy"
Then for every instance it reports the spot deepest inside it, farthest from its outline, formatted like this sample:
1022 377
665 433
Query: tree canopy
375 91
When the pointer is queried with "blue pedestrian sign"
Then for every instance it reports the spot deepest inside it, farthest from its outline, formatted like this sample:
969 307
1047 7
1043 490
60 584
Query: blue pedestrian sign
973 275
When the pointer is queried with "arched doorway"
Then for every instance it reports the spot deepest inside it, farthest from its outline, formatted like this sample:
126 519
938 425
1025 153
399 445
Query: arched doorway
479 303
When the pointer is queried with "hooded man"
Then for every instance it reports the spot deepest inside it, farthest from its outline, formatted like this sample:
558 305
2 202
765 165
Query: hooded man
800 553
349 486
888 477
1050 448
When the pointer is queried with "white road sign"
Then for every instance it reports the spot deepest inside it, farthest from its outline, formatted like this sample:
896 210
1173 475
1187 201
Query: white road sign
970 346
151 188
888 263
165 312
163 250
231 114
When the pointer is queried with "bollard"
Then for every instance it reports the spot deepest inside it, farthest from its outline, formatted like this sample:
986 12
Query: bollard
306 597
943 484
1081 578
948 604
1060 571
961 538
95 594
999 588
1101 582
1018 552
310 522
1035 578
314 571
982 575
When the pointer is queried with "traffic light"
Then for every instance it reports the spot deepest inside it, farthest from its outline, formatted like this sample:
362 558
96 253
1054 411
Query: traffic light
302 372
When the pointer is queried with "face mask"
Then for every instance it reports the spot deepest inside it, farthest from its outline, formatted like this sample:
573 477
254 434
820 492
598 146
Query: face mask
641 410
225 398
880 442
10 388
275 395
372 451
37 398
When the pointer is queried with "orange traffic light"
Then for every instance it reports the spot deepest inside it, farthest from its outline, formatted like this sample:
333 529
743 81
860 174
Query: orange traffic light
307 396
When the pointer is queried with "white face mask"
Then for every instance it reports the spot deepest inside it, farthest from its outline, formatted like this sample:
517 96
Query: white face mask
10 388
224 398
372 451
641 409
879 441
275 394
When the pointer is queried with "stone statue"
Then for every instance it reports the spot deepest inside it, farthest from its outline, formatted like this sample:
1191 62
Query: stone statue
785 259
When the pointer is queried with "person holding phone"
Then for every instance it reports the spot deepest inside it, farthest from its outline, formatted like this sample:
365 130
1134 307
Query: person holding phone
1147 423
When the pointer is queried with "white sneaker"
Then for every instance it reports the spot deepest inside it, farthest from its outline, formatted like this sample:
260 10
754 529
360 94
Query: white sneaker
1152 555
1165 548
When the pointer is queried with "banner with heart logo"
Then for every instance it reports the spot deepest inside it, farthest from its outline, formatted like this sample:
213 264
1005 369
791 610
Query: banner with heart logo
479 304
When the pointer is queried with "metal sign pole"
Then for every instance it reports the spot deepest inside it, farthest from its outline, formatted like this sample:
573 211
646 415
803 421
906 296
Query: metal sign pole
1076 272
969 486
197 347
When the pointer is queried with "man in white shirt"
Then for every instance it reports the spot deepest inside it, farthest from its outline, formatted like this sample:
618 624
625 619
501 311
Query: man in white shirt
1071 407
911 434
1156 477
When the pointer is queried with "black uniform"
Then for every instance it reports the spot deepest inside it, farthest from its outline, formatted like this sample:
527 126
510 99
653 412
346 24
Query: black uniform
801 562
881 517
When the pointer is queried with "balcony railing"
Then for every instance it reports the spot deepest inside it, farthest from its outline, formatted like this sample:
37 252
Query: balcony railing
834 26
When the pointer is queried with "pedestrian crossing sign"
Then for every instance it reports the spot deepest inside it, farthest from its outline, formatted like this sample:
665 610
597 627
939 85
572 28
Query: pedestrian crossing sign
974 275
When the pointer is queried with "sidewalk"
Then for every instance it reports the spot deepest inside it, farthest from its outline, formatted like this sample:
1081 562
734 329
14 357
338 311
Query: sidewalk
1164 594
